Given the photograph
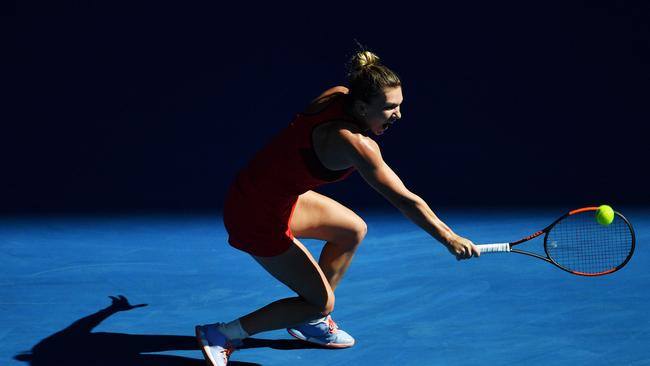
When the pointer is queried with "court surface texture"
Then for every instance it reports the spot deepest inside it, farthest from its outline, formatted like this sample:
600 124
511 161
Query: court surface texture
405 299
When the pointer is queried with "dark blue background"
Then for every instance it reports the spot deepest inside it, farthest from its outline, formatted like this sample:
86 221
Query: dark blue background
155 106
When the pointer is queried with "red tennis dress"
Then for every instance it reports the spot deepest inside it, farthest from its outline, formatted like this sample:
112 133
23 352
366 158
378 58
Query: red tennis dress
263 195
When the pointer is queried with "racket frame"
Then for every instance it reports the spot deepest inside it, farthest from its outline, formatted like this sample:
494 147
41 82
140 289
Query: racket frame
549 259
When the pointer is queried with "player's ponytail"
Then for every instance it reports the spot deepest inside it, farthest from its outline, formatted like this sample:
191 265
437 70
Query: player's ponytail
367 76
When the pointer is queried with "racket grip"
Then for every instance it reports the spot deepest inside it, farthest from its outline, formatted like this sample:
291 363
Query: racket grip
494 248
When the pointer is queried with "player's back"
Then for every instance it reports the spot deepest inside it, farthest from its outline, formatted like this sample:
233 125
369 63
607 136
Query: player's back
287 165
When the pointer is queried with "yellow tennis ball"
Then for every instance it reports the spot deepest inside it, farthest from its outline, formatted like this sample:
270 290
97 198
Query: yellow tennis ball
605 215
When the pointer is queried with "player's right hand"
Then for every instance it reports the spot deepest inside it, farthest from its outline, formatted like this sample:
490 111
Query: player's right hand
462 248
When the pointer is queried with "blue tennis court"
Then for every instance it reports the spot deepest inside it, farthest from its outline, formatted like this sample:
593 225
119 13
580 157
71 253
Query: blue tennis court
405 299
130 128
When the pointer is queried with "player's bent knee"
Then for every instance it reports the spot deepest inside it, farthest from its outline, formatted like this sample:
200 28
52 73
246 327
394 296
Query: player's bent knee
356 235
362 231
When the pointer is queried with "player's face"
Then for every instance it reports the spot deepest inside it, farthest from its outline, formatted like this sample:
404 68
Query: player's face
384 110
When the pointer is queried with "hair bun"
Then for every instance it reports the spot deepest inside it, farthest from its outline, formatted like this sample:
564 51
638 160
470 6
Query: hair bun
363 59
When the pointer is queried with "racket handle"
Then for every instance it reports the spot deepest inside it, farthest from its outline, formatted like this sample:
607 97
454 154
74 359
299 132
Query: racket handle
494 248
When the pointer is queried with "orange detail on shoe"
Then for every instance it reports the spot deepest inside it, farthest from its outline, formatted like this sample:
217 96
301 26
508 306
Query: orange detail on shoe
332 325
228 350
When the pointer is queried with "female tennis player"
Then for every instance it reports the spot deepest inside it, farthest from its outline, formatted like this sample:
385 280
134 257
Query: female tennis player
270 204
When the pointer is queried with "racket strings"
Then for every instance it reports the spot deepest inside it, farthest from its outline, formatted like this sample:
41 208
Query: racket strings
578 243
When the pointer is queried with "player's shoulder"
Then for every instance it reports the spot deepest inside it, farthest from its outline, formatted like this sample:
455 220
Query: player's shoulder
321 102
349 132
352 141
327 94
338 89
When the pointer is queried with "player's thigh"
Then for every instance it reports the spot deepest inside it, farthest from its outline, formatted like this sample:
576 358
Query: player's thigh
320 217
298 270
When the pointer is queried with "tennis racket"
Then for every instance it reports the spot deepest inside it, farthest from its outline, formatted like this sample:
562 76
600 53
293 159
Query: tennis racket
578 244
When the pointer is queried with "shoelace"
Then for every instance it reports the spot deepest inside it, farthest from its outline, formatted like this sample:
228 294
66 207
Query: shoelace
228 350
332 325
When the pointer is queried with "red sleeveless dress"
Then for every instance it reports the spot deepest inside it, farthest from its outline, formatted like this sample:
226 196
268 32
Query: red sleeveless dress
263 195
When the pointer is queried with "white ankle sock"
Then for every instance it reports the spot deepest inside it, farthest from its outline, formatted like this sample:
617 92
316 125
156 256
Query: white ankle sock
233 330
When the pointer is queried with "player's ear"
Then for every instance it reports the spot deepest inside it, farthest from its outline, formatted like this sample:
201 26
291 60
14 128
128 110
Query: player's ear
361 107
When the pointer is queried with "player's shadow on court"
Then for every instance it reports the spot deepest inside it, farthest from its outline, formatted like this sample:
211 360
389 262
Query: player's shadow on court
77 345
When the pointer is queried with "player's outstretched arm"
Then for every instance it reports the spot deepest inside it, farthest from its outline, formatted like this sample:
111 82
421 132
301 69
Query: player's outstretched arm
365 155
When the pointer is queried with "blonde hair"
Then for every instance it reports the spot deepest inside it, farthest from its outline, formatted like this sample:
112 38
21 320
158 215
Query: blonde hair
367 76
